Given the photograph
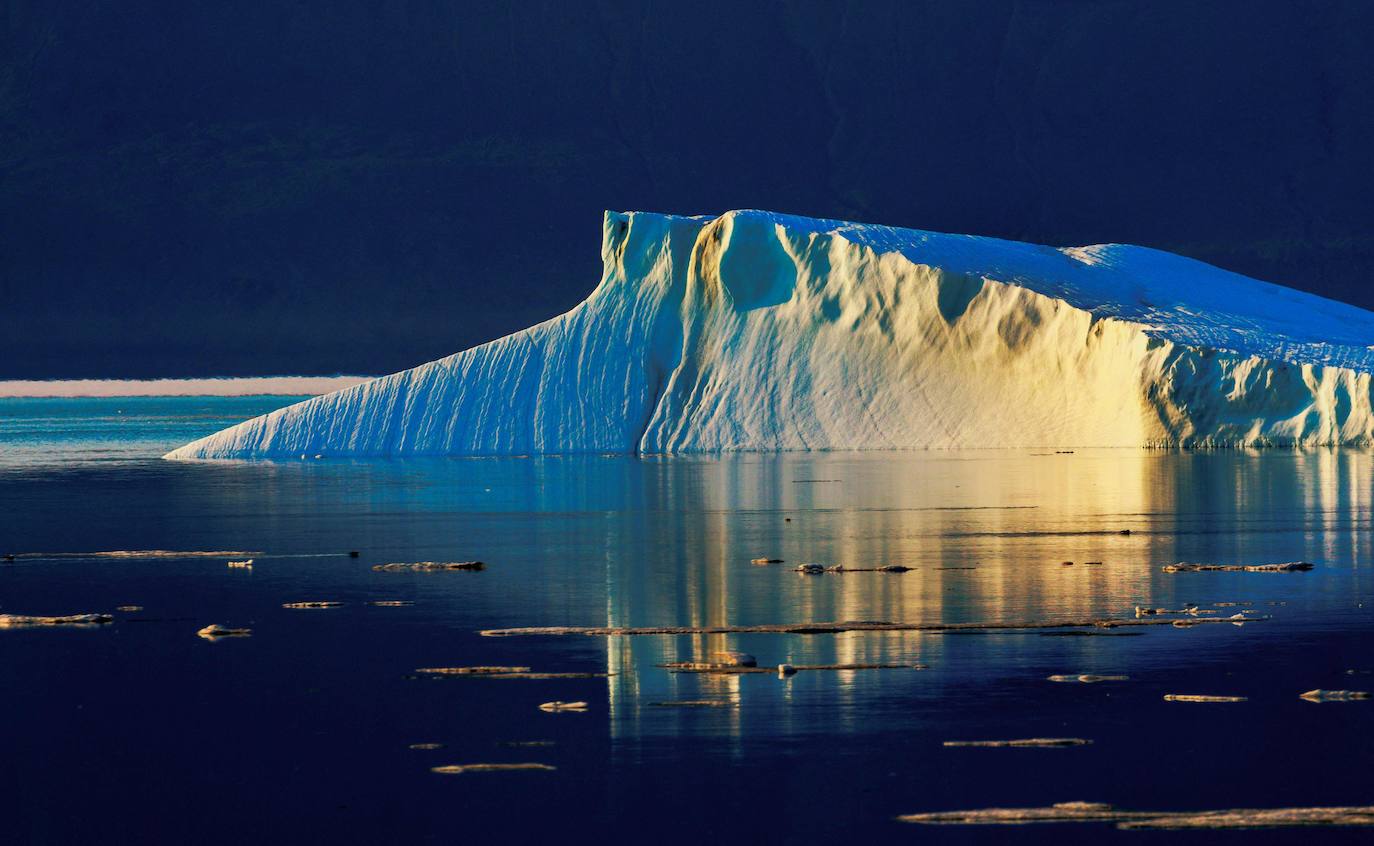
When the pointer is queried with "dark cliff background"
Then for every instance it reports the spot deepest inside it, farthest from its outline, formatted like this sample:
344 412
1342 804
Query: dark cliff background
234 188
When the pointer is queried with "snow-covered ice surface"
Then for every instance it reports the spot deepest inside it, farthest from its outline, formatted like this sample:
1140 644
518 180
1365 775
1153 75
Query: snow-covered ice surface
762 331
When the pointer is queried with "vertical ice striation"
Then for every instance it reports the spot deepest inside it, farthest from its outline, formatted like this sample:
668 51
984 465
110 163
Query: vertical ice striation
760 331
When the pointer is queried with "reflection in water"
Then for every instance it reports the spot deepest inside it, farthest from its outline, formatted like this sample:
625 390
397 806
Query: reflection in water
1015 520
618 541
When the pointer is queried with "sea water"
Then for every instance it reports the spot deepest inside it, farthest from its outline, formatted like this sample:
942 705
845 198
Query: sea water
139 731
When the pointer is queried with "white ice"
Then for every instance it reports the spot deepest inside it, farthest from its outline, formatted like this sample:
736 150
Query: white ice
762 331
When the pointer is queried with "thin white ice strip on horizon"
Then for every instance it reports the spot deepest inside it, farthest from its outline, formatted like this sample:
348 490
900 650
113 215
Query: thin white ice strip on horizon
213 387
138 553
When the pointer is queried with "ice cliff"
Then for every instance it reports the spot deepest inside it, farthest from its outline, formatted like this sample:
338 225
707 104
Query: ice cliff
762 331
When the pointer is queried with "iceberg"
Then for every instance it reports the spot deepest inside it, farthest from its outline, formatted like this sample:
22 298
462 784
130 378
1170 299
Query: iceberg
760 331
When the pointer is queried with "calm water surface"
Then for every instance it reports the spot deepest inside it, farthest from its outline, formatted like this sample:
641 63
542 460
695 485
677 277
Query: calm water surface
141 732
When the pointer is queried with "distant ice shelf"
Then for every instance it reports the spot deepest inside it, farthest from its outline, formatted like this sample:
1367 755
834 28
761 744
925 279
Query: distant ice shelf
761 331
214 387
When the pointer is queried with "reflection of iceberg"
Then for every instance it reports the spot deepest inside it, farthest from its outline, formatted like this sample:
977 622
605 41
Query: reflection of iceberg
592 540
1013 516
757 331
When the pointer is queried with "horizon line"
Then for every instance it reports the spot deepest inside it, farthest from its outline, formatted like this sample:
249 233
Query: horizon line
227 386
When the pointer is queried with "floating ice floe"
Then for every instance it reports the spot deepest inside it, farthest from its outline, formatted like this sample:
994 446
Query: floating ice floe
458 769
1097 812
508 673
218 632
1024 743
708 668
25 621
735 658
817 569
430 567
694 703
1334 695
559 707
471 671
1286 567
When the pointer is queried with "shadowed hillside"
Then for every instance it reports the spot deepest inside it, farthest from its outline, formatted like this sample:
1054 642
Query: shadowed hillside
236 188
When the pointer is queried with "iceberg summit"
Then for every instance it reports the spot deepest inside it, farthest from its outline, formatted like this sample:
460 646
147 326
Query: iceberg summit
762 331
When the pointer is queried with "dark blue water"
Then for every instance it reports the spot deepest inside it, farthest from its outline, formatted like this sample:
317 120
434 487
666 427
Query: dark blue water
141 732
